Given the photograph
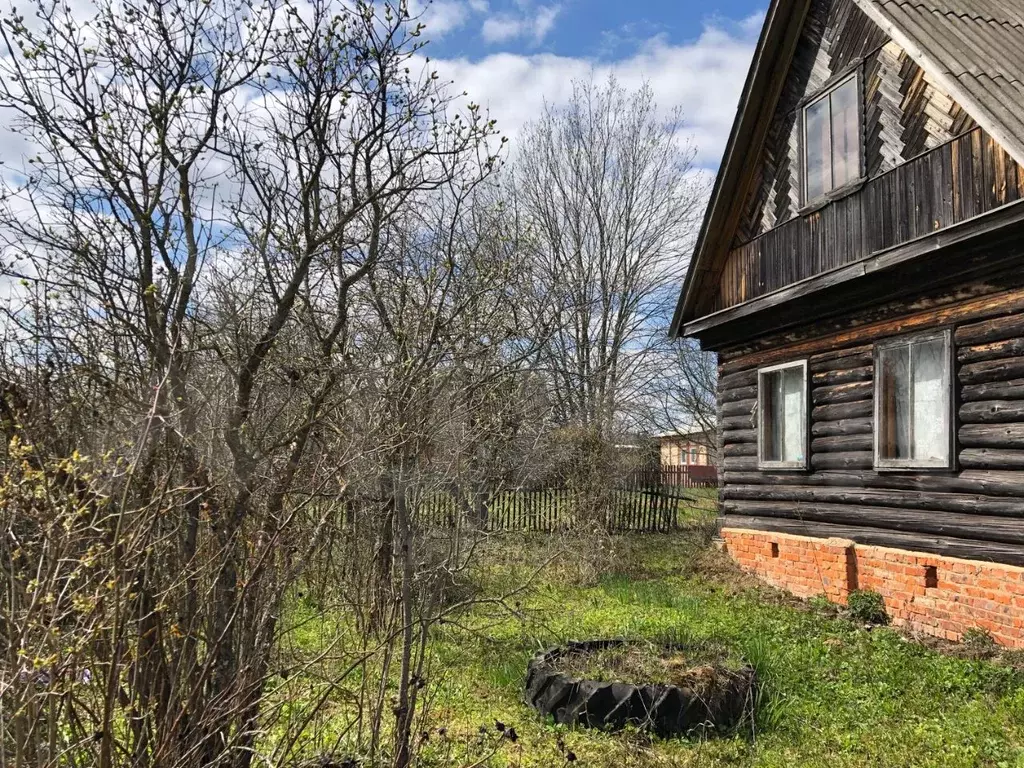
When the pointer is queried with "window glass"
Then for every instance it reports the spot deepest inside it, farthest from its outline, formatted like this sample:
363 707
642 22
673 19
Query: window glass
818 148
832 140
845 136
913 407
783 415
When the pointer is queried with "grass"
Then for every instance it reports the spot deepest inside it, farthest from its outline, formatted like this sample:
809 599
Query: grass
834 693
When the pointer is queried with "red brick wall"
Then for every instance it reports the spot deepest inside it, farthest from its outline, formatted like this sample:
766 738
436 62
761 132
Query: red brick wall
936 595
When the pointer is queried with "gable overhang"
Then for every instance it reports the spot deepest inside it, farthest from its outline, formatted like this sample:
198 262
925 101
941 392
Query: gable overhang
758 99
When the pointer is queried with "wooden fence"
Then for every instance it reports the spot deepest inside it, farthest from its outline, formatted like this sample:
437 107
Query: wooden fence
647 501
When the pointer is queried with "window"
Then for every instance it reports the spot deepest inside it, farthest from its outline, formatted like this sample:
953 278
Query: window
693 455
913 406
782 419
831 140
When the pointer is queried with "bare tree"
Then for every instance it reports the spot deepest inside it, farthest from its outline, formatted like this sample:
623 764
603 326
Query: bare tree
609 197
209 191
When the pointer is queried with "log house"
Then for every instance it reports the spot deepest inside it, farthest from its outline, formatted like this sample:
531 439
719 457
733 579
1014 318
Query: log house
860 273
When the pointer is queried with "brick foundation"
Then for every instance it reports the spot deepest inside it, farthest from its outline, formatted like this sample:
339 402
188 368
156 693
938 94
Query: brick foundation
936 595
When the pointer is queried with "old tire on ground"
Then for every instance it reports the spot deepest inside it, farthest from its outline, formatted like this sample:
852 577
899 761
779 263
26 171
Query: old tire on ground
666 710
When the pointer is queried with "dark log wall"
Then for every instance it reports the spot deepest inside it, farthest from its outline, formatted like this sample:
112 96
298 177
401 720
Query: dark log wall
976 512
905 114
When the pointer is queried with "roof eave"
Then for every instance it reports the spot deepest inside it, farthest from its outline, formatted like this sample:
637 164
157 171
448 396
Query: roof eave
783 22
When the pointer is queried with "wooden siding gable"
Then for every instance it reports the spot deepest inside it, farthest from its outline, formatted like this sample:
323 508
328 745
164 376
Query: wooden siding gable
807 46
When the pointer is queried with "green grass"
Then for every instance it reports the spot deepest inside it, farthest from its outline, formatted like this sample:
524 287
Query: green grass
834 694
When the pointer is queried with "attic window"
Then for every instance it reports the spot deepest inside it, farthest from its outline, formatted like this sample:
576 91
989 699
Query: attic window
831 140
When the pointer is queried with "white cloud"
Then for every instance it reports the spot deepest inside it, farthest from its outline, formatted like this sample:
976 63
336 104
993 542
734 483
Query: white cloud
442 16
532 25
702 77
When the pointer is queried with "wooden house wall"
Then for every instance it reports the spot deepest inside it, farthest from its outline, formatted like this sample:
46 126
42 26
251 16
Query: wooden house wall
974 512
905 114
965 177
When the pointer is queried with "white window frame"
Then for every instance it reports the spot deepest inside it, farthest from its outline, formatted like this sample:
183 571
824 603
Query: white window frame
895 465
762 462
827 94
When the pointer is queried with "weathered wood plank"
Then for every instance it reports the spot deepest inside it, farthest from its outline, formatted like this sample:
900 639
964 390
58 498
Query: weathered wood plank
988 331
847 460
739 394
972 481
734 436
996 390
993 351
843 376
842 393
978 527
992 436
992 412
842 427
737 408
992 370
732 423
857 410
991 458
842 443
962 503
730 450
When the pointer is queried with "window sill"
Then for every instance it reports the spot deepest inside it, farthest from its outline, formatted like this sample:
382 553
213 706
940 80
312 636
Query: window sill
916 469
781 467
832 196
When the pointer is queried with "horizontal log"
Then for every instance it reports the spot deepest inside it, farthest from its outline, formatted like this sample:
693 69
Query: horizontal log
740 379
992 370
843 376
740 449
947 546
992 435
991 458
737 422
842 444
739 463
842 393
990 330
993 351
1009 484
978 527
997 390
737 408
739 394
842 411
992 412
854 357
842 427
961 503
844 460
732 436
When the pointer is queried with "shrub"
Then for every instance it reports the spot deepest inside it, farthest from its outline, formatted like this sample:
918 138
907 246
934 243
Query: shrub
978 639
868 606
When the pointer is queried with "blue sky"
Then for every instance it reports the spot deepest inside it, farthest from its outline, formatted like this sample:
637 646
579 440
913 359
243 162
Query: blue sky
513 55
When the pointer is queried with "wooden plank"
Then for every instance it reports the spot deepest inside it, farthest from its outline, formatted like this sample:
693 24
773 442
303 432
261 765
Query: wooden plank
992 435
997 390
977 527
992 412
843 393
991 458
842 427
962 503
972 481
992 370
862 459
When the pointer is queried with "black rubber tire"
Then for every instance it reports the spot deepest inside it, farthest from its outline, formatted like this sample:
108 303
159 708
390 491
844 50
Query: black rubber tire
666 710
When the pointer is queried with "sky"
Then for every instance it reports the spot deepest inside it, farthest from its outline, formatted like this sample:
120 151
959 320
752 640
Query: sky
513 55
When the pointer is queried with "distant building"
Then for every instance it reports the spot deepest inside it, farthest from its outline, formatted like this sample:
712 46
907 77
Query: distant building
685 450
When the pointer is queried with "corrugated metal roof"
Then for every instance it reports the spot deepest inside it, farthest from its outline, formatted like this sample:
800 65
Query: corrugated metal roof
973 48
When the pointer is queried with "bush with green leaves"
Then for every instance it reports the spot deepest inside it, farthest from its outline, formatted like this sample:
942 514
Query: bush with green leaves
868 606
